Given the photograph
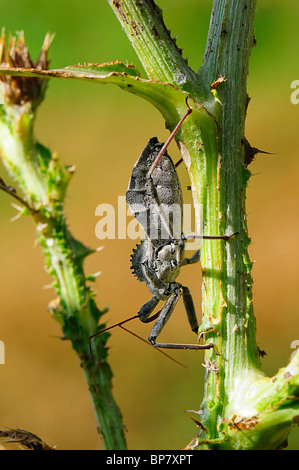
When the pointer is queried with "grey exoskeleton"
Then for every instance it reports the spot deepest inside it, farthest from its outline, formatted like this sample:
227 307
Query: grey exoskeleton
156 202
154 196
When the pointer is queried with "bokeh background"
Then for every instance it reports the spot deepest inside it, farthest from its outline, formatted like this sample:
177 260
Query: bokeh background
102 130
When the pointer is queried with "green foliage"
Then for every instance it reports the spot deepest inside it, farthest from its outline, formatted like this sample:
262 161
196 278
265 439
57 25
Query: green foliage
242 409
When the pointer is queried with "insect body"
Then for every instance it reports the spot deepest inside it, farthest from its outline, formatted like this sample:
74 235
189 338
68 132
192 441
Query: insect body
156 202
154 196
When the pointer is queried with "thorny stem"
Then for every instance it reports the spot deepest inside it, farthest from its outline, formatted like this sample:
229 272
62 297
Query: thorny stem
44 182
144 26
232 320
241 409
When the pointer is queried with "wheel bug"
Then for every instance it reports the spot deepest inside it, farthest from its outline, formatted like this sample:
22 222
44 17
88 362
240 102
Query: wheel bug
154 196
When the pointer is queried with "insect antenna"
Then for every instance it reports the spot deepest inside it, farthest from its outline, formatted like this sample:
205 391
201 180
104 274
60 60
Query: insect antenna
160 154
91 354
120 325
159 350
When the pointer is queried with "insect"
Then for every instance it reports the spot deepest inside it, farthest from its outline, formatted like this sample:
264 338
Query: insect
154 196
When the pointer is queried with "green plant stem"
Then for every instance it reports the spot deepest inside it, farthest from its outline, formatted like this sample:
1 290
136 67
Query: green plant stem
233 317
233 414
157 50
44 181
242 408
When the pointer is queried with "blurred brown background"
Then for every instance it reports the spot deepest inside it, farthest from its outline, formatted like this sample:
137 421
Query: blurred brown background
102 130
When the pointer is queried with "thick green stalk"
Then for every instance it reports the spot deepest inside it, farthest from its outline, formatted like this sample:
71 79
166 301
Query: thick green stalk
230 42
161 58
241 409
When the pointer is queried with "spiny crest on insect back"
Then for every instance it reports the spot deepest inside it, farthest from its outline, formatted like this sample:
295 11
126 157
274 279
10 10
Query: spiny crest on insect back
137 258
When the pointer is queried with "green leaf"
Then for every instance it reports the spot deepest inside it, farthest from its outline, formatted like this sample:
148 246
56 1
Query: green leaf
105 69
168 99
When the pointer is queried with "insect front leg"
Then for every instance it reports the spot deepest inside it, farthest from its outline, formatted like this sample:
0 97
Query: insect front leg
181 253
194 259
165 315
147 309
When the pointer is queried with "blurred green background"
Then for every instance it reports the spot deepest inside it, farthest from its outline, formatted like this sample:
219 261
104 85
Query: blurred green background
102 130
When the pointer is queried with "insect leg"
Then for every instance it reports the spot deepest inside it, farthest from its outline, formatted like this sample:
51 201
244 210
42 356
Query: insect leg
147 309
165 315
209 237
195 258
190 310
